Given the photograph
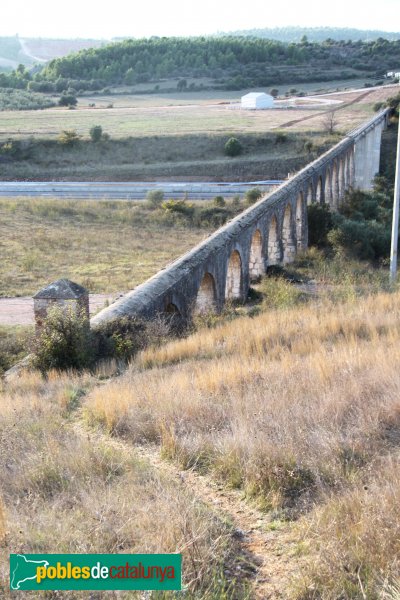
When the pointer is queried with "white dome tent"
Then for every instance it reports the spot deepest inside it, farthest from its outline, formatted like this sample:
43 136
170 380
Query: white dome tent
257 101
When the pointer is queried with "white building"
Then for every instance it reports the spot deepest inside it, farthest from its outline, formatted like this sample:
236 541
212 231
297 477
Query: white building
394 74
257 101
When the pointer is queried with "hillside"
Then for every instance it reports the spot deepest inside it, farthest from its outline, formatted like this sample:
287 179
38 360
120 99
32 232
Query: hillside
28 51
316 34
227 62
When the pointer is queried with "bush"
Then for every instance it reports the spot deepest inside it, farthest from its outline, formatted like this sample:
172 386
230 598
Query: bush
280 138
13 344
68 137
253 195
215 216
64 342
96 133
361 239
178 207
155 198
236 202
233 147
124 337
320 222
308 146
68 100
219 201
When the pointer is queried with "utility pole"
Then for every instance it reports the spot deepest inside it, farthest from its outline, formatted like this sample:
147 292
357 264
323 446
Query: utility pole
395 222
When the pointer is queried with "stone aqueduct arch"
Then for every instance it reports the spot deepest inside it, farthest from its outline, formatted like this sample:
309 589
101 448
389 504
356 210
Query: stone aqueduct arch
269 232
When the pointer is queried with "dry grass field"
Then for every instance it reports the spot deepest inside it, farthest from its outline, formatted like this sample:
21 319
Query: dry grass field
66 488
267 445
299 409
108 247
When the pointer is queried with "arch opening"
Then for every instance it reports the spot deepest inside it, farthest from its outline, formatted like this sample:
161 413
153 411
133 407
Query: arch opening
335 186
256 263
341 183
274 247
318 193
309 195
300 216
328 187
289 246
233 286
205 300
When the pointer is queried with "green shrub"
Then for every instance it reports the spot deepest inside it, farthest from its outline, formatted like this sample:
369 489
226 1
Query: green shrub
308 146
361 239
253 195
13 346
214 216
96 133
64 342
233 147
155 198
180 207
280 138
68 100
320 222
236 202
124 337
219 201
68 137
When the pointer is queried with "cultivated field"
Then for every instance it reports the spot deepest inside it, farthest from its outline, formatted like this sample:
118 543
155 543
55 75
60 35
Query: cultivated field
153 115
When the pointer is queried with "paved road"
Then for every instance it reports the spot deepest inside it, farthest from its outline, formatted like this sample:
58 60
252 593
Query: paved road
128 190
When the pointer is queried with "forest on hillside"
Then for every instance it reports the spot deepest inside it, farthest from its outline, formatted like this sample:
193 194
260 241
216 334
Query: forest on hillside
229 63
316 34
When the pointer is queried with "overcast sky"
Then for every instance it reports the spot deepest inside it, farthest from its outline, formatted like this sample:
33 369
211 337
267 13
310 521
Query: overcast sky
113 18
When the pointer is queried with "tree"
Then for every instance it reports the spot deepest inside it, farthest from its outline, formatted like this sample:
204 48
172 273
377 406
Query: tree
96 133
233 147
68 100
182 85
274 92
330 122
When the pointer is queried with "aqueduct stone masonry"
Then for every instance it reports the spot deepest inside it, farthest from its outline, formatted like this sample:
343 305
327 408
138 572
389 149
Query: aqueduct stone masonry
269 232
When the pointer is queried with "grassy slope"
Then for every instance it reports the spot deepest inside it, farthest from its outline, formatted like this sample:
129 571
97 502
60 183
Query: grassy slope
69 489
297 407
106 246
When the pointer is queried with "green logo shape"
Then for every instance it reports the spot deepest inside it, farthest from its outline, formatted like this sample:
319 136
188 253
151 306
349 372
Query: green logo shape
95 571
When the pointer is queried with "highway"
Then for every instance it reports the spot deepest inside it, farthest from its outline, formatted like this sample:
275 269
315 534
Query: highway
135 190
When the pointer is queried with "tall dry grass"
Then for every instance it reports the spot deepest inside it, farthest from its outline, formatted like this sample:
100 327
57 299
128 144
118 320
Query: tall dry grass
68 489
286 404
301 409
357 535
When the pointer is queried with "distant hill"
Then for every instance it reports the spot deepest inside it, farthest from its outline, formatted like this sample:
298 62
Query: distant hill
27 51
229 62
315 34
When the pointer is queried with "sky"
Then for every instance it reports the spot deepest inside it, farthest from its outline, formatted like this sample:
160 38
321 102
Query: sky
121 18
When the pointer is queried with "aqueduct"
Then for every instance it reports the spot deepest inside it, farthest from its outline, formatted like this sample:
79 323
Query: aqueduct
270 232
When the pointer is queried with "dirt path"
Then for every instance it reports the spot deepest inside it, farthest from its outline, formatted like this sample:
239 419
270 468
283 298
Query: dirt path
270 551
271 548
317 114
19 311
